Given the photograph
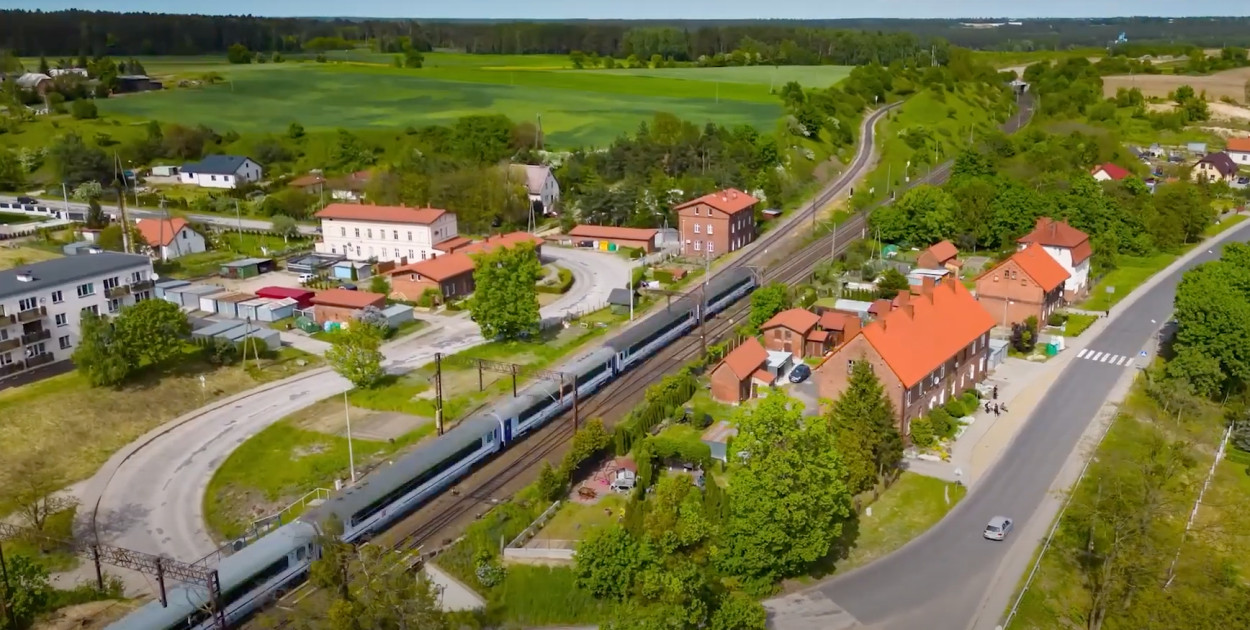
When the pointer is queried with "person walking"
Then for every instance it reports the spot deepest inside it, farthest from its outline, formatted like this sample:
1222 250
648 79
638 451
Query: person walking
995 410
995 392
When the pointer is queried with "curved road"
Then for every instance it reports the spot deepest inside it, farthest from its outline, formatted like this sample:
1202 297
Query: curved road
150 495
941 579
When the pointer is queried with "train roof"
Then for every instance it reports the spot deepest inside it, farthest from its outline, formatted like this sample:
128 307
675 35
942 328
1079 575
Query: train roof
351 500
186 599
678 309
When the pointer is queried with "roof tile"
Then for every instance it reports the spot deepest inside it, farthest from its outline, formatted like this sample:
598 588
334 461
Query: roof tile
1240 145
731 201
1052 233
1038 265
746 358
383 214
799 320
160 232
611 232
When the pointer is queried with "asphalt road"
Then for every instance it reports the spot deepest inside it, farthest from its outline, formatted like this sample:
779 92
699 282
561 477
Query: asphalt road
141 213
940 579
153 500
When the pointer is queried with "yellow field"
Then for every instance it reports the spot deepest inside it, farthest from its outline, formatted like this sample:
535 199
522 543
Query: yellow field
1230 83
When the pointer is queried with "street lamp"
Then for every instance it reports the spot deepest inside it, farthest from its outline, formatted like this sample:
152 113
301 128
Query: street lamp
351 457
1006 303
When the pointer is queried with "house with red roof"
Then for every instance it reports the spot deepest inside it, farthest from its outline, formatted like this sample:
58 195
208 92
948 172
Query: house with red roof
384 233
933 347
170 238
941 255
603 236
741 373
1109 173
1028 284
451 275
1069 247
1239 150
716 223
794 331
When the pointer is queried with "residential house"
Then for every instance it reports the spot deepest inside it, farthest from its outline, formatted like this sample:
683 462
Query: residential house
1216 167
1109 173
941 255
606 237
451 274
312 183
170 238
41 304
1239 150
740 374
36 82
1028 284
342 305
789 331
716 223
350 187
931 348
1069 247
221 171
838 327
540 185
384 233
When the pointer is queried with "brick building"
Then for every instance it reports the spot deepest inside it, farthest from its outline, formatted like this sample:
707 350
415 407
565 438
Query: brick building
600 236
839 327
342 305
450 275
932 347
942 255
1029 284
789 331
1069 247
716 223
739 375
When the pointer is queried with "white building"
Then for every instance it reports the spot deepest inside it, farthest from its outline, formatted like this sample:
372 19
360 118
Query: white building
383 233
1069 247
41 304
1239 150
541 186
170 238
220 171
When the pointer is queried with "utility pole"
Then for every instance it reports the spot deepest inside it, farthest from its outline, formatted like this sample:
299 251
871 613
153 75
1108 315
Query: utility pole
351 455
238 216
630 287
121 203
65 197
438 392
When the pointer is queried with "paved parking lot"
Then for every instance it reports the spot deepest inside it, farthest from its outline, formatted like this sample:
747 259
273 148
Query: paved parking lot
252 285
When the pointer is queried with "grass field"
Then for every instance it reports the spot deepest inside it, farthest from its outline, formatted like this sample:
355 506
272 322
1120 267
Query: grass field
73 428
21 255
906 510
807 76
11 218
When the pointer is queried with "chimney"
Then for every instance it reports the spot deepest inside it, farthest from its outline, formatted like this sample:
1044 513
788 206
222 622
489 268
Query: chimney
903 298
926 285
910 310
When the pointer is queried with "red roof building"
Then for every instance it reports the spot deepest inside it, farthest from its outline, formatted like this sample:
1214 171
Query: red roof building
738 376
451 275
1109 173
303 297
716 223
343 305
788 331
1028 284
600 236
1069 247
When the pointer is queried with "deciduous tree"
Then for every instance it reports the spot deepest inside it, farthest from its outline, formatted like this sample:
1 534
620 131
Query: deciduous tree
505 300
788 500
737 611
892 281
153 331
356 355
76 162
607 561
33 484
98 356
28 591
767 301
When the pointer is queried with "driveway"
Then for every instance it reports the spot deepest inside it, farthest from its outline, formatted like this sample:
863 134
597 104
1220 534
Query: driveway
595 274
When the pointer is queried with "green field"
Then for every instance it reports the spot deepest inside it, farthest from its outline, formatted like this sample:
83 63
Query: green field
358 91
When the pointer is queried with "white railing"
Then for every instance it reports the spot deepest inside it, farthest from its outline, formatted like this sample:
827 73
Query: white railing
529 532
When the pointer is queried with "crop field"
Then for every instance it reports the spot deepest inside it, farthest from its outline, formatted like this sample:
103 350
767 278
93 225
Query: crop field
358 91
1229 83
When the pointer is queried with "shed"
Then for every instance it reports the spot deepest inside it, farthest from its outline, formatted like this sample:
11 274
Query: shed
228 305
717 438
216 328
351 270
247 268
165 170
248 332
1197 148
620 300
167 285
303 297
397 314
81 247
858 307
208 302
779 361
189 296
312 263
998 352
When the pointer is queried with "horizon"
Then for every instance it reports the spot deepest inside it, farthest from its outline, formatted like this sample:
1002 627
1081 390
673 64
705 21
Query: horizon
640 10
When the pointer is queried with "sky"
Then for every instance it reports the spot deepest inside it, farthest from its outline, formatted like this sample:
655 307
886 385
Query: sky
662 9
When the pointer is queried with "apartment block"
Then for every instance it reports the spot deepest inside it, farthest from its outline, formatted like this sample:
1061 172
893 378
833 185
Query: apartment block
41 304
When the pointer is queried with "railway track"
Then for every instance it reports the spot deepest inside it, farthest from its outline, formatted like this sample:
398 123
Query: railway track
505 474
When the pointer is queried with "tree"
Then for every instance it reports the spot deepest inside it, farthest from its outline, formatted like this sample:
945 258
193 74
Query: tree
152 331
29 592
43 65
892 281
96 219
285 226
35 486
111 238
330 570
295 131
387 596
505 300
413 58
787 501
925 215
767 301
379 284
98 356
862 419
76 162
737 611
84 109
578 58
608 559
88 191
356 355
373 316
238 54
12 173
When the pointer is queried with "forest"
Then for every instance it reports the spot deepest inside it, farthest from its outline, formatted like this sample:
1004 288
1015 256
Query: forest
850 42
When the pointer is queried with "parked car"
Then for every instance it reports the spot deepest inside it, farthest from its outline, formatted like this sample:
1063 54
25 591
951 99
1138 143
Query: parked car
800 373
27 201
305 278
347 285
998 528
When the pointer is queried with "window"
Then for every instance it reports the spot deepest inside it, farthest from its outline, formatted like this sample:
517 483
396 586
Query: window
357 232
709 229
395 234
115 305
397 253
27 303
86 289
382 234
850 366
184 235
212 177
777 333
334 249
369 232
94 309
410 235
697 227
64 341
111 283
57 298
6 358
788 335
342 231
142 295
35 350
61 320
709 247
136 276
698 246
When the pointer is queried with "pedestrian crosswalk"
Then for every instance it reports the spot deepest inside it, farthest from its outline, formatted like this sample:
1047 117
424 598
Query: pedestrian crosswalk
1104 357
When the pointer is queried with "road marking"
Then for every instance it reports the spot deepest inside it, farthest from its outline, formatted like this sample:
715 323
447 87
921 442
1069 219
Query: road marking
1081 354
1097 355
1107 358
1124 361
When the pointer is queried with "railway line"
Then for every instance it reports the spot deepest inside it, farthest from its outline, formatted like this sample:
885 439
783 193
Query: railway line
434 523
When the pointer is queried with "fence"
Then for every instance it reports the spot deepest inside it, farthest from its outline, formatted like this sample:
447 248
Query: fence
262 526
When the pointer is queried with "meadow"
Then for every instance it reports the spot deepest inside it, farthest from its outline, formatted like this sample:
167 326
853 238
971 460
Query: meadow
359 91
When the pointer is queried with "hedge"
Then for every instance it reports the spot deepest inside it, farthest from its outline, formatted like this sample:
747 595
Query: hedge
563 282
661 400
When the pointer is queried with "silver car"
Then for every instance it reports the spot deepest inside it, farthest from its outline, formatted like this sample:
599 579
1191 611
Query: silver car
998 528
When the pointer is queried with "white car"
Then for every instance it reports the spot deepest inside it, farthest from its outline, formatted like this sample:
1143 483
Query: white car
305 278
998 528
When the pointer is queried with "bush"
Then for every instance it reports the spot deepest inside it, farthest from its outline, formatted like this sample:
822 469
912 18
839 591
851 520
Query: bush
922 433
564 280
429 298
84 109
943 424
956 408
1057 319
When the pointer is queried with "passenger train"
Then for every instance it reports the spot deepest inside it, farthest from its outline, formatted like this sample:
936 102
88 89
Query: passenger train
266 569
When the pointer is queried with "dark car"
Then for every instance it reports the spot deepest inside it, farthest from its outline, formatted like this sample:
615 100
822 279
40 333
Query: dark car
27 201
800 373
347 285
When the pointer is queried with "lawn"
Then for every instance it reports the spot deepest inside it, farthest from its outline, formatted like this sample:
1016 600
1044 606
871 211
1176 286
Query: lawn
74 428
54 558
533 596
773 76
20 255
13 218
573 519
577 108
1077 323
